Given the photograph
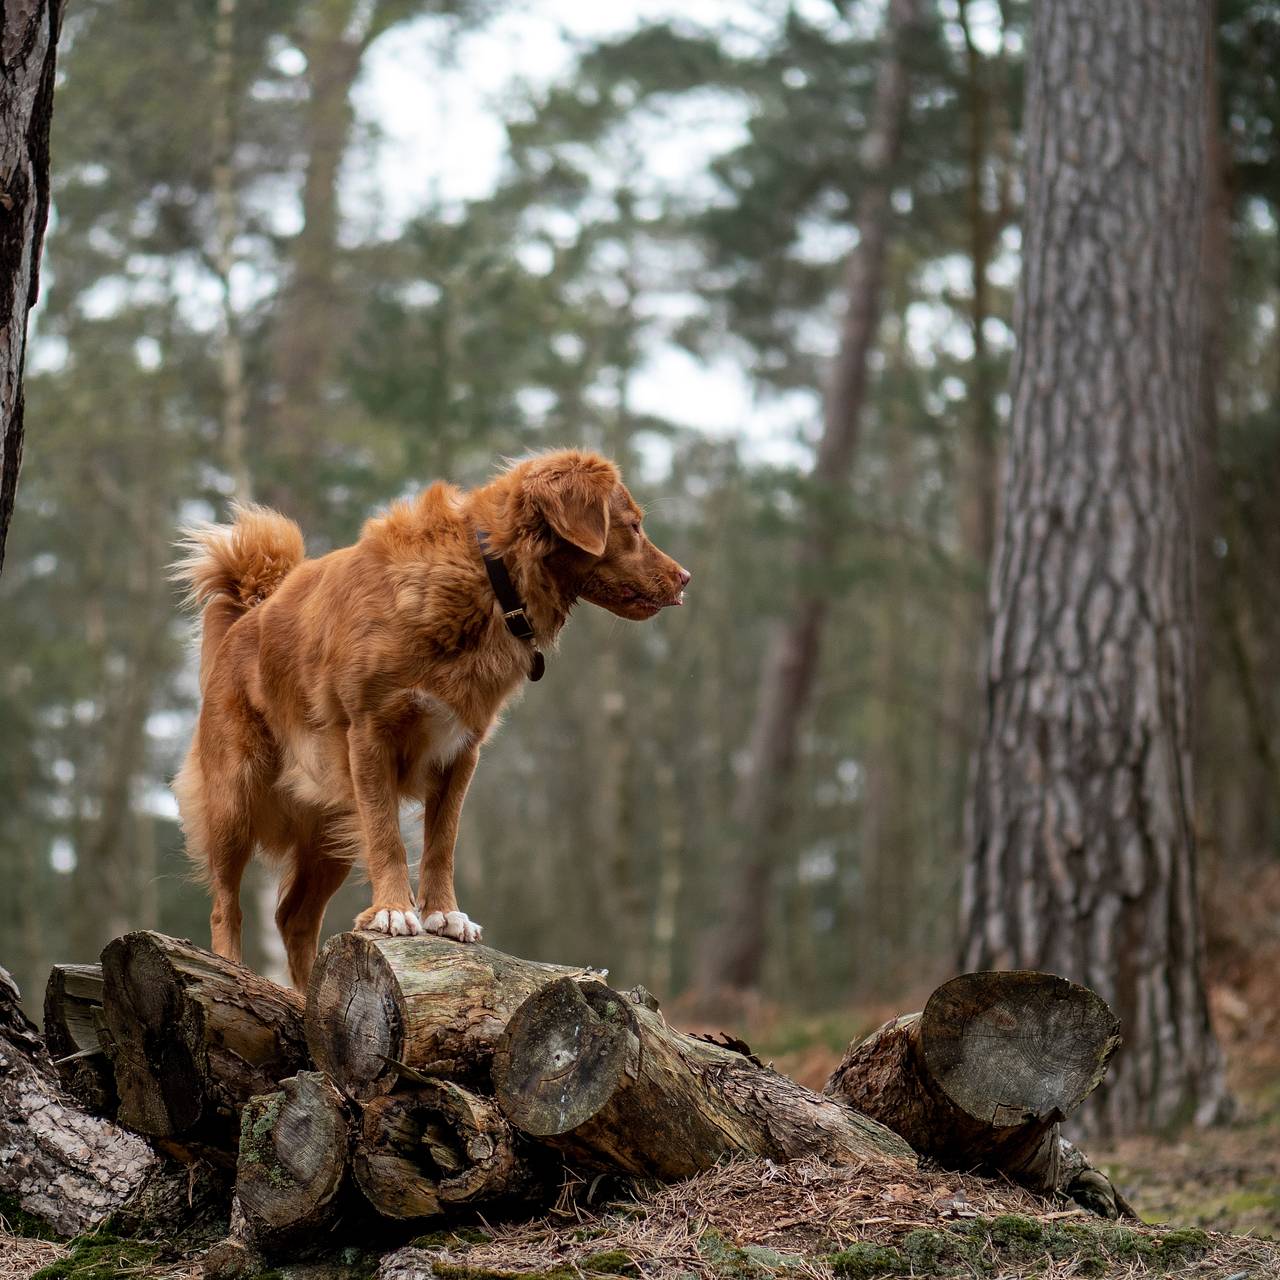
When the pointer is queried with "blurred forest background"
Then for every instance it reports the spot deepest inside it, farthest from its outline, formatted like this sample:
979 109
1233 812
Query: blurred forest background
252 289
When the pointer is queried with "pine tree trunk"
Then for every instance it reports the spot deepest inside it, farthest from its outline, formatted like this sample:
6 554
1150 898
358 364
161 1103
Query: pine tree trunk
59 1164
1082 847
28 49
733 956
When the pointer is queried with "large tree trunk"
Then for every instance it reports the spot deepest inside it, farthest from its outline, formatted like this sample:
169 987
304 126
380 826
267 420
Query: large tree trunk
61 1165
733 955
602 1077
983 1076
380 1007
193 1037
28 49
1082 847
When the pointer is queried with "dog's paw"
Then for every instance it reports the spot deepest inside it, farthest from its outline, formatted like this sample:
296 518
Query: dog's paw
399 924
456 925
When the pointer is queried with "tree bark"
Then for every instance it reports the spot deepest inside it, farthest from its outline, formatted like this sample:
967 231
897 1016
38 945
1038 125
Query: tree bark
70 1169
294 1145
437 1145
74 1031
983 1076
193 1037
28 51
733 956
1083 856
378 1005
593 1073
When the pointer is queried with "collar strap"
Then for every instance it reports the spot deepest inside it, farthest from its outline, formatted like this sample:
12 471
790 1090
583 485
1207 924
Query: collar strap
513 610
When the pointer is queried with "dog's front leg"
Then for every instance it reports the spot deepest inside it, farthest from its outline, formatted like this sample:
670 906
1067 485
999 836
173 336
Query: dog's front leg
436 898
373 778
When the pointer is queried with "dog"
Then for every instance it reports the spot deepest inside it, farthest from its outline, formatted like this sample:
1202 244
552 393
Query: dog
334 689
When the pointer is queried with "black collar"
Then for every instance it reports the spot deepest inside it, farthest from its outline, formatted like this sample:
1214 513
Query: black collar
513 610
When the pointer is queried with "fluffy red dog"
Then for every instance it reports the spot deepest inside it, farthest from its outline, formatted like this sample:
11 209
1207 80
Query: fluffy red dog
334 689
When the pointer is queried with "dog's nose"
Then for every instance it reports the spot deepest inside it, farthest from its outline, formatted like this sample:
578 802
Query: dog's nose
685 575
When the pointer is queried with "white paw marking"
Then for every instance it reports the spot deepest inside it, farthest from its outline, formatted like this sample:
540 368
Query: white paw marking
456 925
399 924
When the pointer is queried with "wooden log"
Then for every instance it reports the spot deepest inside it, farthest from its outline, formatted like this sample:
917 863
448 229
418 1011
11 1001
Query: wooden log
74 1031
68 1168
293 1158
436 1145
193 1037
982 1077
602 1077
377 1004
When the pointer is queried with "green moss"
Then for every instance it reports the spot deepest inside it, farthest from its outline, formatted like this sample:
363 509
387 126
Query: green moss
735 1262
22 1223
613 1262
1017 1236
864 1261
1184 1245
451 1238
930 1252
100 1256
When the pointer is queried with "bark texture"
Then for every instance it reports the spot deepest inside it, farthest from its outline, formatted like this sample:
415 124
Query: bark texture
28 49
983 1076
1083 857
733 954
193 1037
601 1076
377 1006
75 1033
66 1167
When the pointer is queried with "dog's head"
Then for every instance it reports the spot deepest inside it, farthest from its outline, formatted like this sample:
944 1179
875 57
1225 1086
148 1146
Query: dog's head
599 535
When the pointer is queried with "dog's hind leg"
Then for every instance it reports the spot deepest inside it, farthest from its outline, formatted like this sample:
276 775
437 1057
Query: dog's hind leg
230 847
316 875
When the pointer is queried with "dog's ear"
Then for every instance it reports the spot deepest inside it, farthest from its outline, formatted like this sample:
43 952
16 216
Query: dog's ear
572 491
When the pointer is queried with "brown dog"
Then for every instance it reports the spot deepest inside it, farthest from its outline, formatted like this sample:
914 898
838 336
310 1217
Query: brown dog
334 689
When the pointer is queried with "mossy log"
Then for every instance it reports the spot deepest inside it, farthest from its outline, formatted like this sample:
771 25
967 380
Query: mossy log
982 1077
601 1076
74 1030
435 1146
377 1005
192 1038
293 1158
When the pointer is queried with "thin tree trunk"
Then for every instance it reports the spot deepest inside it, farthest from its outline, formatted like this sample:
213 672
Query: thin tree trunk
28 50
1082 847
734 955
307 329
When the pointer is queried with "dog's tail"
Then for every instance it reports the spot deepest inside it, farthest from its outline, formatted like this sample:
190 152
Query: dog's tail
229 568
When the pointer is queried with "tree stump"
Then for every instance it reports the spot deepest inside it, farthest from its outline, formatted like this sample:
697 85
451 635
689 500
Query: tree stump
436 1145
377 1004
592 1072
193 1037
981 1078
74 1030
70 1169
294 1146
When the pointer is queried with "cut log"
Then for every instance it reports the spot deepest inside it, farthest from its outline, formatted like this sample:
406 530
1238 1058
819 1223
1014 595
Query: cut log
437 1145
61 1165
981 1079
601 1076
376 1004
193 1037
74 1031
294 1147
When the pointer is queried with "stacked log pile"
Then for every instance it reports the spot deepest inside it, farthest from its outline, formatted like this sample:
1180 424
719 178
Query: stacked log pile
422 1078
